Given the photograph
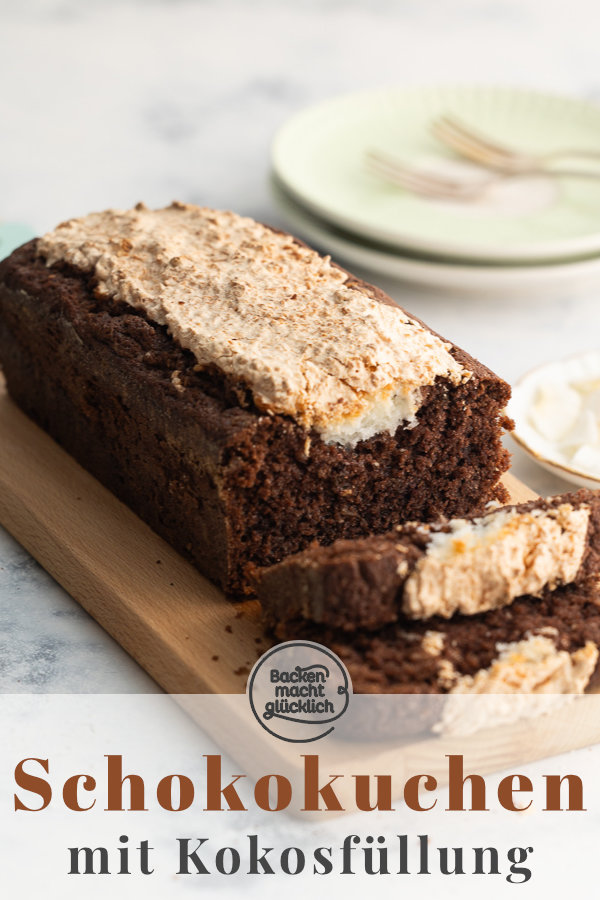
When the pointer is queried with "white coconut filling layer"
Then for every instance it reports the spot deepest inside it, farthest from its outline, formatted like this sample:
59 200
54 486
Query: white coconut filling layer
529 678
382 417
487 562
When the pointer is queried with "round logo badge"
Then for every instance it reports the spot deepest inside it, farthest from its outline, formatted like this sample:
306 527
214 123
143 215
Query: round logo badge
297 690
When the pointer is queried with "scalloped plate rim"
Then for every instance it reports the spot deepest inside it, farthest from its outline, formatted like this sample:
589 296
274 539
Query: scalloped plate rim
531 252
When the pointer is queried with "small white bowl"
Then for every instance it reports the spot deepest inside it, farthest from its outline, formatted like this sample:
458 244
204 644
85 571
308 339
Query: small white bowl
579 368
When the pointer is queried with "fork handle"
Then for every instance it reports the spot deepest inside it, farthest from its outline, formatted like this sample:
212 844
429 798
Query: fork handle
572 154
562 173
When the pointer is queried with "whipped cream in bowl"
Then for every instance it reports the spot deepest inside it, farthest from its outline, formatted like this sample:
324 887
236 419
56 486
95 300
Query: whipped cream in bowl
556 408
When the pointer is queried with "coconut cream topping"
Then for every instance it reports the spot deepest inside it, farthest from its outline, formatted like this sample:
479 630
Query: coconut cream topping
485 563
529 678
557 412
533 666
265 310
433 642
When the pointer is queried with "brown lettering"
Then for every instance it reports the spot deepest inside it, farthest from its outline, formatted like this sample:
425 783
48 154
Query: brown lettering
456 785
506 791
411 792
214 791
34 784
283 795
313 793
164 792
553 786
71 792
383 792
116 780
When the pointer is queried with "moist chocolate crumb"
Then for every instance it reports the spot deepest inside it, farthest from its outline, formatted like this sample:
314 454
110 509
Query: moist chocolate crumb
243 670
395 660
360 583
230 487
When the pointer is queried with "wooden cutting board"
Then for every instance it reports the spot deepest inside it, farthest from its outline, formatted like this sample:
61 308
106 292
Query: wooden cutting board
181 629
176 624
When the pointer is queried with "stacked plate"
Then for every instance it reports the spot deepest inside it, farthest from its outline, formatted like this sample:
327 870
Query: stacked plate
531 232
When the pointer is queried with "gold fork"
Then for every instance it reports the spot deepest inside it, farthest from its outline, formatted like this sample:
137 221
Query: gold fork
427 184
480 148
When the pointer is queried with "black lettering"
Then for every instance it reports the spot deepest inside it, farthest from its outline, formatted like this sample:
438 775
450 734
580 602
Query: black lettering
300 861
186 856
256 860
234 861
322 860
88 854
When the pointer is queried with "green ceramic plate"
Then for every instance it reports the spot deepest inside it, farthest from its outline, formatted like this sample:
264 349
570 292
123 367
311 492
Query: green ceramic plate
442 276
319 156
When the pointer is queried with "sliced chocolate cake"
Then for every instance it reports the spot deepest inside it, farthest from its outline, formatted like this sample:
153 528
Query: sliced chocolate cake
244 395
547 644
418 571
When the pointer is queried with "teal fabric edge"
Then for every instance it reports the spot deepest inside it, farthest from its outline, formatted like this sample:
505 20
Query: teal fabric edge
12 235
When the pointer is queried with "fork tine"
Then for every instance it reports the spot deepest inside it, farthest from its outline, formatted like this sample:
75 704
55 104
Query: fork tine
456 137
407 180
397 168
401 178
394 170
493 153
476 137
418 182
452 131
396 175
456 142
394 165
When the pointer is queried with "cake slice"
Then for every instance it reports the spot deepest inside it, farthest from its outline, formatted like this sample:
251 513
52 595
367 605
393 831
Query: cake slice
418 571
244 395
547 644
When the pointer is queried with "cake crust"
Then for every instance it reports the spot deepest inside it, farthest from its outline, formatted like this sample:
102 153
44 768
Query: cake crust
264 309
464 654
370 582
231 487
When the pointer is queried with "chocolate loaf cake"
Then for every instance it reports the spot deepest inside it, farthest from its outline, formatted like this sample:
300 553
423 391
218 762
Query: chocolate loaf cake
420 570
244 395
546 644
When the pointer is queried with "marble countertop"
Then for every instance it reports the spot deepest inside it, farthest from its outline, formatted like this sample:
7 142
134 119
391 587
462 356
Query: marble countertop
106 103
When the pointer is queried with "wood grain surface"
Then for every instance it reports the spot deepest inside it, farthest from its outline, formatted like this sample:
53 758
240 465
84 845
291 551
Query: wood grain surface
187 636
174 622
